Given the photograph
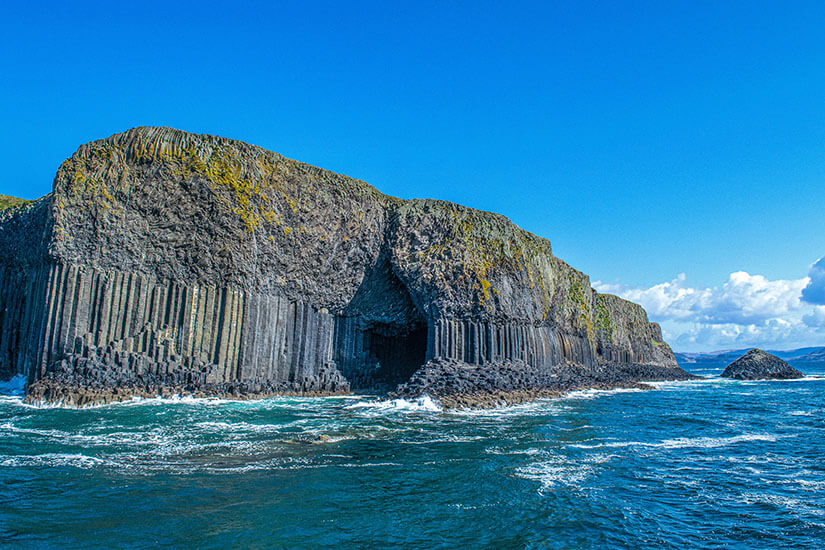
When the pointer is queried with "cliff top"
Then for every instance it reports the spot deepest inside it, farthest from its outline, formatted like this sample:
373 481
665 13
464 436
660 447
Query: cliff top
10 202
178 205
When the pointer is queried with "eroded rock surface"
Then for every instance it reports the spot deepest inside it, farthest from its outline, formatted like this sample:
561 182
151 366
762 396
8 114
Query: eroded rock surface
215 264
759 365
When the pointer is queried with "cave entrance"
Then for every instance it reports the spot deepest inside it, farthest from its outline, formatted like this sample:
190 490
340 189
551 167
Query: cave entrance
381 336
397 353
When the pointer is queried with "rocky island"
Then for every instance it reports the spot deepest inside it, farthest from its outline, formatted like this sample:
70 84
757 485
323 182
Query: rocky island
165 262
760 365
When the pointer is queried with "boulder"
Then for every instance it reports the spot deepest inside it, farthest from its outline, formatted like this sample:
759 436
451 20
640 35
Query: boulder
760 365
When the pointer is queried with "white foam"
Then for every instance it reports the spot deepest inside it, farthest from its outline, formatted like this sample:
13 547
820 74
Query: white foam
11 428
155 438
240 426
11 399
553 474
560 471
447 439
52 460
811 485
173 399
801 413
509 452
544 404
425 403
807 378
668 384
370 465
136 400
594 393
780 501
684 442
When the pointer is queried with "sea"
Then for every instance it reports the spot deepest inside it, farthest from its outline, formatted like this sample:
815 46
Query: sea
710 463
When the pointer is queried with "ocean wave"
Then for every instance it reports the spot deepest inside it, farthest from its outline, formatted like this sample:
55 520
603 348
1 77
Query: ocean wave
783 502
446 439
594 393
11 399
155 438
812 412
684 442
52 460
514 452
810 484
224 427
680 384
369 464
291 402
543 405
132 401
552 474
425 403
8 428
806 378
561 471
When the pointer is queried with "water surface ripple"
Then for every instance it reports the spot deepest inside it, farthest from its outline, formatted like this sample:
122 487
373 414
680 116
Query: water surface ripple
705 464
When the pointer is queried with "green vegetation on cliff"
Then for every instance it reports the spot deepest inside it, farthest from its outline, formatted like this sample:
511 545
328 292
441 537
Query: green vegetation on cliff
10 202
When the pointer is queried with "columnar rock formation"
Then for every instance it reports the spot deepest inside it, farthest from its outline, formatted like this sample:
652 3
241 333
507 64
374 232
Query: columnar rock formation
168 260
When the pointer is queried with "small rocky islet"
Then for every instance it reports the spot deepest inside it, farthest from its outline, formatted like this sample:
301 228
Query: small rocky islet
169 262
760 365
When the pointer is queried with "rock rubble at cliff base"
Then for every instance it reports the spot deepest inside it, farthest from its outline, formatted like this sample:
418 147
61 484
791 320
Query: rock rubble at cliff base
460 385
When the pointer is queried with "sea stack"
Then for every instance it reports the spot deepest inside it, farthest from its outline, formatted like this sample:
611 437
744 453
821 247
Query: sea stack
760 365
167 262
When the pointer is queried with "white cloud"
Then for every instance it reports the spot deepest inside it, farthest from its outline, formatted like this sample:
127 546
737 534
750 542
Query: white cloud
815 318
744 298
747 310
814 292
773 333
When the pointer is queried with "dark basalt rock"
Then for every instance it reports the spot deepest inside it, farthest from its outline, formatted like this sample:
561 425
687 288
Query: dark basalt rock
459 385
759 365
165 261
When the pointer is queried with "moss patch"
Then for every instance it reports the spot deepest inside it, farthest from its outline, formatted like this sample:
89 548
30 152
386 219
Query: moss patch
10 202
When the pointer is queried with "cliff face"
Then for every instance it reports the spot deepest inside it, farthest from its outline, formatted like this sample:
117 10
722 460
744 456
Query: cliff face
171 260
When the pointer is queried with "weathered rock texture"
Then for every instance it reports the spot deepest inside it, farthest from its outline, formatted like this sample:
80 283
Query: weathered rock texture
760 365
164 259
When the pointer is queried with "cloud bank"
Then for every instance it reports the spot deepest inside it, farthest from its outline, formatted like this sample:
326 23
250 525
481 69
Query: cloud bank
746 310
814 292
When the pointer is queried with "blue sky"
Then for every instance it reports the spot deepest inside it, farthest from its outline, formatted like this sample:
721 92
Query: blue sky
653 143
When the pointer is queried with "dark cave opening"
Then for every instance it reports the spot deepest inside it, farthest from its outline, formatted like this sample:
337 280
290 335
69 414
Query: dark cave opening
381 338
398 353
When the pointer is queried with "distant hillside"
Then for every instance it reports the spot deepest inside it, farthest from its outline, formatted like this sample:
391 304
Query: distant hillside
816 355
8 202
724 357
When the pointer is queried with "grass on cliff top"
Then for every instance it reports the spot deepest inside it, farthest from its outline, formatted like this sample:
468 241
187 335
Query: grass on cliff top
9 202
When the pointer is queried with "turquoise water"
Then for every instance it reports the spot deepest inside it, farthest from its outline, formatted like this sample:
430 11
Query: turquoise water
707 464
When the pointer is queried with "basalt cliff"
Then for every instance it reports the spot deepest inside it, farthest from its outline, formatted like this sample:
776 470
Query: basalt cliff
165 262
